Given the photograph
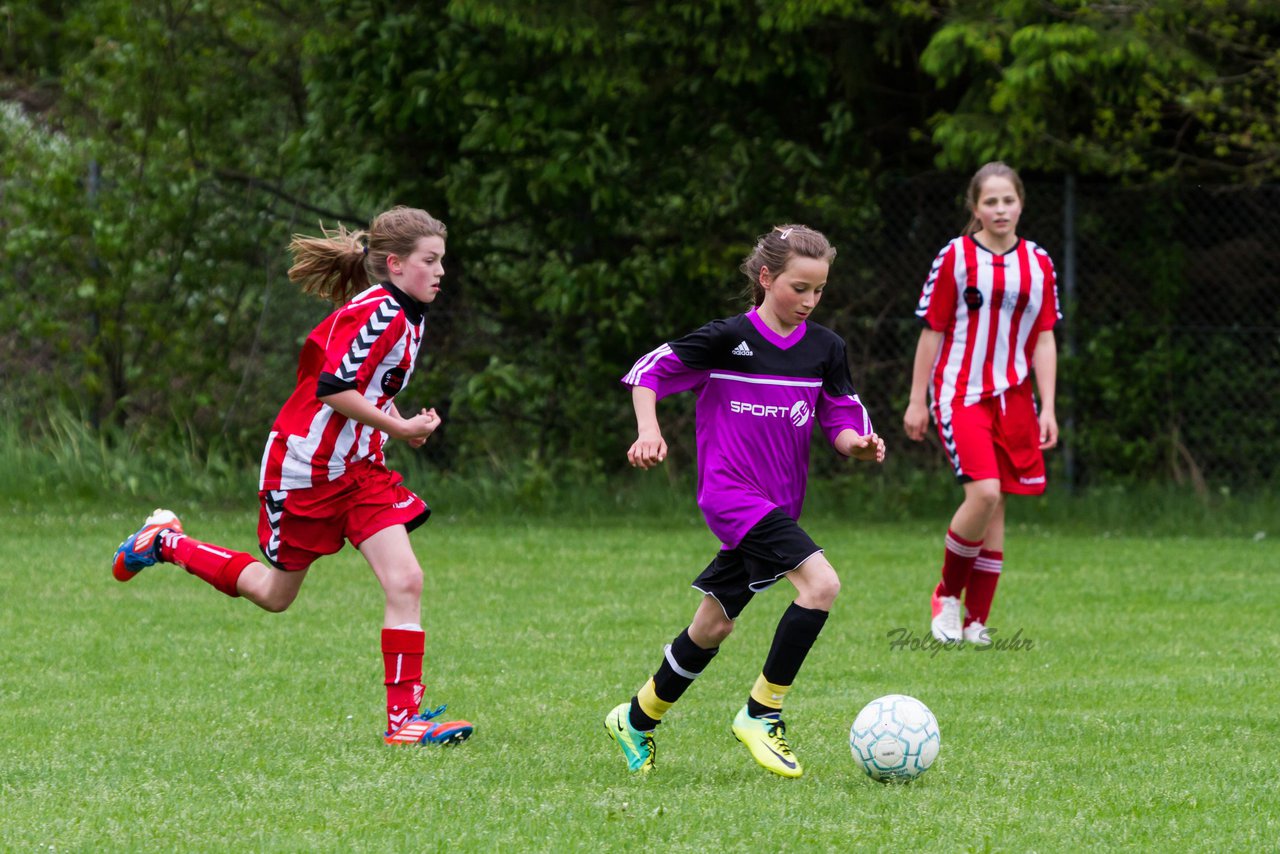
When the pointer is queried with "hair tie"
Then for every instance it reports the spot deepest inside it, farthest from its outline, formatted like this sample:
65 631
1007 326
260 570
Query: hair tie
365 249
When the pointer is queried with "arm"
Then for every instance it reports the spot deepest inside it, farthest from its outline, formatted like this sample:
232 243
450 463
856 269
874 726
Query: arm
916 419
353 404
649 448
1044 362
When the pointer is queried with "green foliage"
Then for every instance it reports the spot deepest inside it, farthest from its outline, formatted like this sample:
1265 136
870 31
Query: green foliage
601 204
603 169
1136 90
1174 371
130 236
61 458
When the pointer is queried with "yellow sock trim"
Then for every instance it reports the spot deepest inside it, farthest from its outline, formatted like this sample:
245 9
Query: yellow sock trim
766 693
650 703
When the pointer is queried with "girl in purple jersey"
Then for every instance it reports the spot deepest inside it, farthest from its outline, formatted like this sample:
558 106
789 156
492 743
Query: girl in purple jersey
762 379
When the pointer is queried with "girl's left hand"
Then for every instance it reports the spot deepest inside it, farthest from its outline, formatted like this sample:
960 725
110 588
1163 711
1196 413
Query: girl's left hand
868 447
425 423
1048 431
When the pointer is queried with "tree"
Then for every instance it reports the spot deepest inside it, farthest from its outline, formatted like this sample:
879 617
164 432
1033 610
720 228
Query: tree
133 211
1145 90
603 168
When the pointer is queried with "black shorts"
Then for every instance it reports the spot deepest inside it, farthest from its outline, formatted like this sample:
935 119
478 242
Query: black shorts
773 547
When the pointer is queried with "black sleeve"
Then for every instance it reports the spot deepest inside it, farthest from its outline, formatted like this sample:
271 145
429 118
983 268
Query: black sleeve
329 384
700 349
836 379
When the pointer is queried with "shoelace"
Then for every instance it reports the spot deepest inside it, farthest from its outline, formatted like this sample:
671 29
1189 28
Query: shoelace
648 744
434 713
778 735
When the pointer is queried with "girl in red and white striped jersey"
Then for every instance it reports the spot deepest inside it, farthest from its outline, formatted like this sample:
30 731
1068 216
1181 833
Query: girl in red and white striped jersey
989 307
324 479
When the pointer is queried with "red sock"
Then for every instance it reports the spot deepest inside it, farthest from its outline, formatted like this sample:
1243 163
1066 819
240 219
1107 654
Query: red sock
214 564
402 651
982 584
957 563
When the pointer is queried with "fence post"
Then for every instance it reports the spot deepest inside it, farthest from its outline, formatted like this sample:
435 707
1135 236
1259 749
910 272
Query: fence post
93 186
1068 297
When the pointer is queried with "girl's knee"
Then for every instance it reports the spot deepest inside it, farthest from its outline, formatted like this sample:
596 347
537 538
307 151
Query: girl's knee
407 580
986 494
274 598
720 630
275 605
825 590
710 627
818 585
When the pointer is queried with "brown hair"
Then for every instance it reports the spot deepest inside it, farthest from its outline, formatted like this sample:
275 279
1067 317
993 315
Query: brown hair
989 170
337 266
775 249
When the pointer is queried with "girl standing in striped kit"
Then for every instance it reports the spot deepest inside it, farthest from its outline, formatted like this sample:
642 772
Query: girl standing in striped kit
324 479
989 307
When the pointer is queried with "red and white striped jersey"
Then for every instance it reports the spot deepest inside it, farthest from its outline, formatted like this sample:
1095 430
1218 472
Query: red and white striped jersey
991 310
370 344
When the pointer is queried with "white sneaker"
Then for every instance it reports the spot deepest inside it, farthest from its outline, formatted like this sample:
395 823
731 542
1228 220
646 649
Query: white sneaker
976 634
946 624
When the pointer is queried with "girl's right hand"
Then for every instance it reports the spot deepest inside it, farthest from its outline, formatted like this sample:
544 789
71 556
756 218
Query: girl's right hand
648 450
916 421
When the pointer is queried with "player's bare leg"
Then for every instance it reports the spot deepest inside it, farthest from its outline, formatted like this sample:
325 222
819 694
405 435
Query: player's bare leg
393 561
269 588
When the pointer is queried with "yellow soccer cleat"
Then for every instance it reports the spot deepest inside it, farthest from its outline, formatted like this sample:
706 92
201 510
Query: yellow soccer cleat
766 738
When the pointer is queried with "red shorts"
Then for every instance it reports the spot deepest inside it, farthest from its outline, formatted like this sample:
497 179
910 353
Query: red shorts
996 438
297 526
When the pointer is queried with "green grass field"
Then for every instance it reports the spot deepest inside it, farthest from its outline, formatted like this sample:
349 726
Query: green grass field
162 716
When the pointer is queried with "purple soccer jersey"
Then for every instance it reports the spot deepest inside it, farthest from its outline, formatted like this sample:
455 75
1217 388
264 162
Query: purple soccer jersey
758 395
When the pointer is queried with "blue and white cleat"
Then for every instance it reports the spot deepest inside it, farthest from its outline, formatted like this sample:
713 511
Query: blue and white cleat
142 549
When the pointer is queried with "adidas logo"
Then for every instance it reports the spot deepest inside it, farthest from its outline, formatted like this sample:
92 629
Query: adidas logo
742 350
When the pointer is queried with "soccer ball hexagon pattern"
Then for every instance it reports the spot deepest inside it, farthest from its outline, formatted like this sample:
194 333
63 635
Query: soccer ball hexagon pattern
895 738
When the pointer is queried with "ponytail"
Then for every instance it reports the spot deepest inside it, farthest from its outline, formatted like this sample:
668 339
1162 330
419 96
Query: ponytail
342 263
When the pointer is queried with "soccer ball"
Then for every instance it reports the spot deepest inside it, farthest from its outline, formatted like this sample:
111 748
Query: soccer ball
895 738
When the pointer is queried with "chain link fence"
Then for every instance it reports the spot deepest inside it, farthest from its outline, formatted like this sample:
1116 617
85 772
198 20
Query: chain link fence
1170 347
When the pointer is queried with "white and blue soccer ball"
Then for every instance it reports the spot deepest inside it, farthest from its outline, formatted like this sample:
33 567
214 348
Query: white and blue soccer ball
895 738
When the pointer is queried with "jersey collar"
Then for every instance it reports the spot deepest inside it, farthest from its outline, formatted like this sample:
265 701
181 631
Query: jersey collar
774 338
413 309
1009 251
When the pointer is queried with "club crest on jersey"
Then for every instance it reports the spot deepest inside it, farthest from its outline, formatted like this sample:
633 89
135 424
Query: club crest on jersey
393 381
973 298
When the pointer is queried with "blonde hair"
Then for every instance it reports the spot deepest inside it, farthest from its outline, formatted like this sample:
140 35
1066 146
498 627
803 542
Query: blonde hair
341 263
989 170
775 249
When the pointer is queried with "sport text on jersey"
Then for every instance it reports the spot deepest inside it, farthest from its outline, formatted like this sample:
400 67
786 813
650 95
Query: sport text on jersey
798 413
